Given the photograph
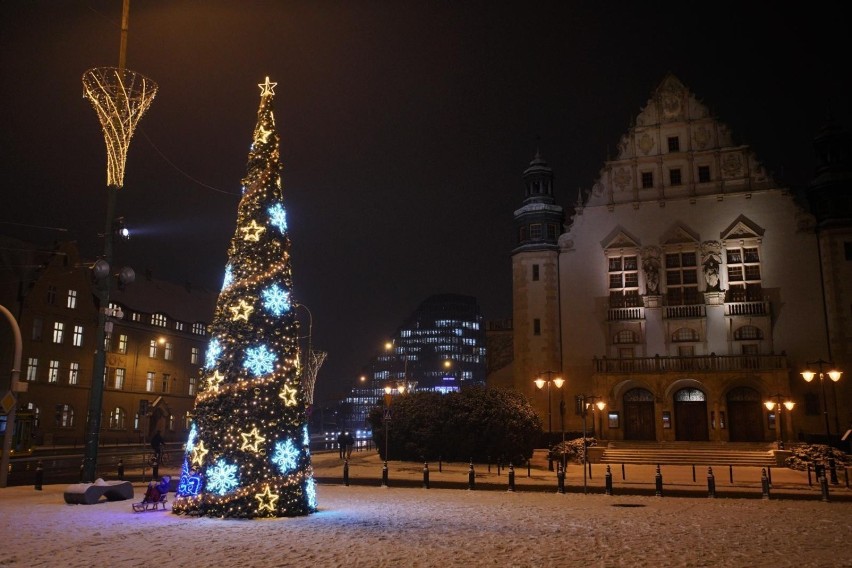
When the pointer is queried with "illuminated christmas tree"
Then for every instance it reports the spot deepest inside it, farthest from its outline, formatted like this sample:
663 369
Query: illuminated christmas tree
247 452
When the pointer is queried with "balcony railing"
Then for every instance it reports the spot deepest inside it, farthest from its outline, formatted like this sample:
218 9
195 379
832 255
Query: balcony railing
622 314
688 311
699 364
760 308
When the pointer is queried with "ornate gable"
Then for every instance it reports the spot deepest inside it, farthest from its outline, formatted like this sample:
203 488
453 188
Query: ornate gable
742 228
619 239
679 235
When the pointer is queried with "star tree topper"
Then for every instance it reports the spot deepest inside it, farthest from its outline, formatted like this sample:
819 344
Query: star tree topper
267 89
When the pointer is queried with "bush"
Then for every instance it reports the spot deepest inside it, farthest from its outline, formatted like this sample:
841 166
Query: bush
476 423
815 454
573 450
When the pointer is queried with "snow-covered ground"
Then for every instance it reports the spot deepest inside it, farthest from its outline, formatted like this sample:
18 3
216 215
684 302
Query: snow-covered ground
373 526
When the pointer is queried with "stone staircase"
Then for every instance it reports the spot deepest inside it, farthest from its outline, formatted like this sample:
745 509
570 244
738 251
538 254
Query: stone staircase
748 454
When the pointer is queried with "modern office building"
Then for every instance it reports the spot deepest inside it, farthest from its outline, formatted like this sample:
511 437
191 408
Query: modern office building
440 347
687 288
156 340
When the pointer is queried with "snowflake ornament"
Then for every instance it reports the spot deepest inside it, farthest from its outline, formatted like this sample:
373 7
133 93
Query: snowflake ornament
214 351
276 300
285 456
278 217
259 360
222 477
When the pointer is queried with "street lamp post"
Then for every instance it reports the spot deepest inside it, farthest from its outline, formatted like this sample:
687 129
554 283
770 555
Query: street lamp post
834 375
779 422
583 403
558 381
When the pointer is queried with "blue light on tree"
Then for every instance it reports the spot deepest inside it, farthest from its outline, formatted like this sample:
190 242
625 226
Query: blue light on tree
311 490
306 438
278 217
190 439
190 482
229 277
276 300
222 477
259 360
214 351
285 456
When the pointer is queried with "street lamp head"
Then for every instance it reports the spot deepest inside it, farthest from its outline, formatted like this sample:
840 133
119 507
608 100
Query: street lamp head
600 404
448 364
835 375
388 345
769 405
558 382
401 388
808 375
539 383
388 389
789 405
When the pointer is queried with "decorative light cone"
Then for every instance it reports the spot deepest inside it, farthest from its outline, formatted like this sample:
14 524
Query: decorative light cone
248 449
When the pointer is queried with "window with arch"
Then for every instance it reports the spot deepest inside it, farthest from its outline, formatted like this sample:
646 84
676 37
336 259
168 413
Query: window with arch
690 395
625 336
117 418
638 394
748 332
685 334
64 416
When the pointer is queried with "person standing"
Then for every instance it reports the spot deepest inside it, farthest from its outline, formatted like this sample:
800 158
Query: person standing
341 445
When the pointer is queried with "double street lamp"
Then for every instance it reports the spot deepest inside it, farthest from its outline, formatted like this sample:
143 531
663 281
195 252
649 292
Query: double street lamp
779 422
834 375
558 381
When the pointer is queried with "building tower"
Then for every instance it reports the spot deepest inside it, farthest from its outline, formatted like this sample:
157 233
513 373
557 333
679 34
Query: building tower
535 282
831 204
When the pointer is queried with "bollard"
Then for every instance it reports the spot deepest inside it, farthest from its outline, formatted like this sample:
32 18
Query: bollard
528 468
549 463
489 464
823 483
731 473
511 477
590 470
385 474
346 472
608 481
425 475
121 469
711 483
764 481
622 473
39 476
658 479
693 473
471 477
155 471
810 484
560 479
769 475
832 467
440 464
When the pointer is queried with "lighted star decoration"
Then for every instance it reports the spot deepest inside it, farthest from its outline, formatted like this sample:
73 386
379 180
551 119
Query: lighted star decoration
263 135
288 395
198 453
252 231
267 88
266 500
248 444
214 380
241 311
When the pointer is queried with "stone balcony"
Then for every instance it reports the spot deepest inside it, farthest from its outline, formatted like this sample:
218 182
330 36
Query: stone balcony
697 364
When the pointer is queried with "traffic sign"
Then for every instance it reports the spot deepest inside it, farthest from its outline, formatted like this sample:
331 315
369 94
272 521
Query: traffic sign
387 414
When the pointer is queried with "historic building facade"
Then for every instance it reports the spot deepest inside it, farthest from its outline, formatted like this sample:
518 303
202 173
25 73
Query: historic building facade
156 341
685 289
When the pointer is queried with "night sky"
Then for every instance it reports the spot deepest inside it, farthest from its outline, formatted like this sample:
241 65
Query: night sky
405 126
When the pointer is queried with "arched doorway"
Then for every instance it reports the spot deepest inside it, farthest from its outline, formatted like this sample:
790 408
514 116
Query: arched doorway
745 415
690 408
639 415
